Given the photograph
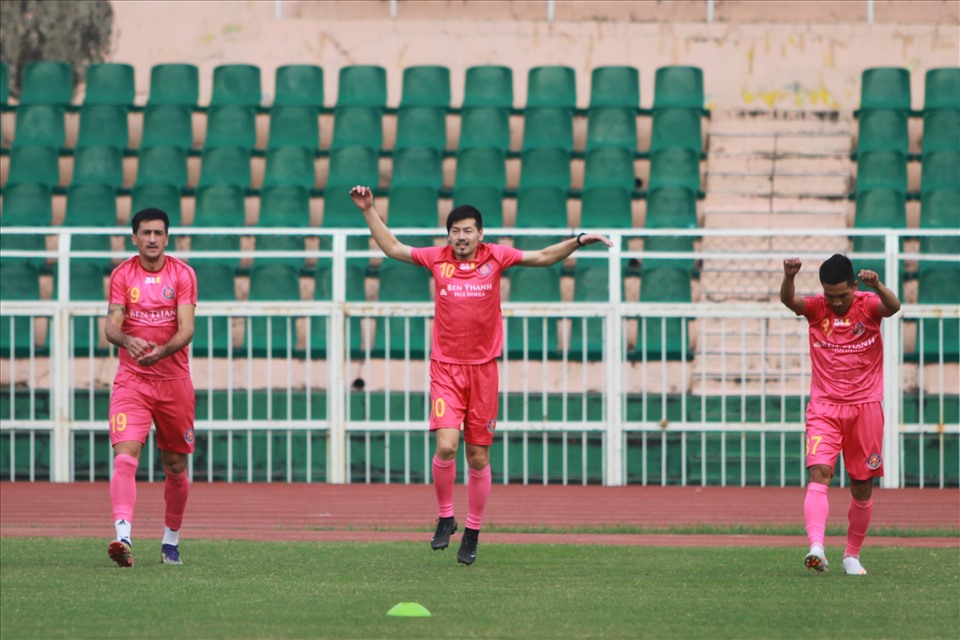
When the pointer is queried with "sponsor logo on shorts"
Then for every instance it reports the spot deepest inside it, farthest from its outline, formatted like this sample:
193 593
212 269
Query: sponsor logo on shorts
874 461
492 425
188 436
168 293
858 328
484 270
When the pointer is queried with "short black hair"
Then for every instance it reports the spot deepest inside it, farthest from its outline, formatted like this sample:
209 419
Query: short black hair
837 269
464 212
150 214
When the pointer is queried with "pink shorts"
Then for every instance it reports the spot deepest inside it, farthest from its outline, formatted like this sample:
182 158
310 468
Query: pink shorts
855 429
468 395
138 401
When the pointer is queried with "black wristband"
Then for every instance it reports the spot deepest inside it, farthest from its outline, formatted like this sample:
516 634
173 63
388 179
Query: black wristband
580 235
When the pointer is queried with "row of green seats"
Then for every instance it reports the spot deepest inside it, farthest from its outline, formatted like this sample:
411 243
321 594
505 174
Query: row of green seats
888 89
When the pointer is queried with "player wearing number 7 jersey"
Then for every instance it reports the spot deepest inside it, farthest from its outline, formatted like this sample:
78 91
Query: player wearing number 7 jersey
151 318
846 394
467 340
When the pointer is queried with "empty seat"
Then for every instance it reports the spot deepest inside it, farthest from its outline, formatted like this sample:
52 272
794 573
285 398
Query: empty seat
545 168
110 83
349 166
488 86
40 125
940 171
98 165
323 291
18 281
426 86
548 128
606 207
941 131
167 125
289 166
399 337
299 85
174 84
885 88
540 207
609 127
877 209
671 207
939 283
481 168
362 86
284 206
413 206
231 126
103 125
615 87
678 87
609 167
882 130
591 283
236 85
676 129
219 206
212 334
551 86
25 205
357 127
86 283
274 335
417 168
533 337
294 126
487 200
660 338
162 166
91 205
485 128
938 210
47 82
422 127
881 170
941 89
675 168
226 166
34 165
165 197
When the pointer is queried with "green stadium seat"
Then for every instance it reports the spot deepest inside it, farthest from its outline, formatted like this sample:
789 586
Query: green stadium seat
881 170
323 291
167 125
488 86
666 244
672 207
676 129
940 170
548 128
402 282
231 126
162 166
274 335
591 283
110 83
215 282
219 205
18 281
34 165
609 167
877 209
299 85
425 86
678 87
939 210
612 128
417 168
219 243
941 89
939 284
362 86
616 87
103 126
225 166
882 130
885 88
47 82
551 86
941 131
86 284
40 125
533 337
284 206
675 168
286 243
174 85
485 128
487 200
294 126
663 338
236 85
4 84
26 205
540 207
413 206
421 128
481 168
91 205
165 197
545 168
98 165
351 166
606 207
289 166
357 126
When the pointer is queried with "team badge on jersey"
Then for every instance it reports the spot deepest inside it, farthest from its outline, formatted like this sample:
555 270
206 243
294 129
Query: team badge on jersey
858 329
189 436
484 270
874 461
168 293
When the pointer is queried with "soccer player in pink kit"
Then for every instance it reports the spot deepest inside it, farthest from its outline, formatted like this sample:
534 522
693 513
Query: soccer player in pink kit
150 317
845 412
467 340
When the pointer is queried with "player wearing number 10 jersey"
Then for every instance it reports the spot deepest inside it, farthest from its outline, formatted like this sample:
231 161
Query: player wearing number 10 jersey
467 340
151 319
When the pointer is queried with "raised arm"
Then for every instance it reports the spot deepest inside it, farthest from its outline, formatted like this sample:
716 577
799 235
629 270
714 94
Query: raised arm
388 243
889 302
561 250
788 292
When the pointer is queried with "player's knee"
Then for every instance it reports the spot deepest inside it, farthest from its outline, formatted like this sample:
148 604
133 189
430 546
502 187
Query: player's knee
820 473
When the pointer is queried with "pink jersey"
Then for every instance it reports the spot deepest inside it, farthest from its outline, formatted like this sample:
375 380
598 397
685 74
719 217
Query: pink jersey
468 324
846 352
150 300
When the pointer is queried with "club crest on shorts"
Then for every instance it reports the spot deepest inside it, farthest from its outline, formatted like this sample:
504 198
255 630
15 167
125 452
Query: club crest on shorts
492 425
188 436
168 293
874 461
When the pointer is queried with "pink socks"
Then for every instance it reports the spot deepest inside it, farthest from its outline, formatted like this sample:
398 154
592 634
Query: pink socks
478 490
176 489
816 508
123 486
859 521
444 477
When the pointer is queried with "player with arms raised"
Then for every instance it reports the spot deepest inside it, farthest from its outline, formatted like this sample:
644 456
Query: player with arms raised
467 340
151 318
845 412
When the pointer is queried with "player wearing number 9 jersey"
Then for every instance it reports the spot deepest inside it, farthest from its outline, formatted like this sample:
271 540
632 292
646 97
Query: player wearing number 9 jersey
151 319
846 393
467 340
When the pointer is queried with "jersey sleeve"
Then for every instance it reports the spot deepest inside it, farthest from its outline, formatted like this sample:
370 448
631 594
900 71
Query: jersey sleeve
506 256
187 286
425 256
873 307
118 287
812 307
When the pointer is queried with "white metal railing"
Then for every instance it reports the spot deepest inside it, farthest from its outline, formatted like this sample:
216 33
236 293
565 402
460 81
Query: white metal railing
636 403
